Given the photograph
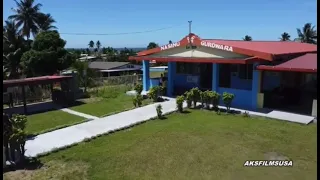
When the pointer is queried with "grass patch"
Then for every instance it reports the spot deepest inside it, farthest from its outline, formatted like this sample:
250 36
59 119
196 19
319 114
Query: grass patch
111 100
52 170
44 122
157 74
197 145
108 106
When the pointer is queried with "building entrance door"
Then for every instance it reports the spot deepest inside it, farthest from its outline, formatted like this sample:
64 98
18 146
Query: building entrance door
206 76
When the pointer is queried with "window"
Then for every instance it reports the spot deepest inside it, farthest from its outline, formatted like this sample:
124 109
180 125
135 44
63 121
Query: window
245 71
188 68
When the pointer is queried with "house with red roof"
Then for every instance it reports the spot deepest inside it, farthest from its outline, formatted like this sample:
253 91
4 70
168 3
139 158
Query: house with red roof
261 74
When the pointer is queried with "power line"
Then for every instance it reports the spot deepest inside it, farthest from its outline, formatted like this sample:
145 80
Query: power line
126 33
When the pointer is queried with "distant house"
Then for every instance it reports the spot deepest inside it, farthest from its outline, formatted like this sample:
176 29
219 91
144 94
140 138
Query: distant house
88 58
115 68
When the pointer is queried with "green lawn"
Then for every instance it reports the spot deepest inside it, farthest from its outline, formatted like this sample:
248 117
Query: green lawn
197 145
107 106
43 122
157 74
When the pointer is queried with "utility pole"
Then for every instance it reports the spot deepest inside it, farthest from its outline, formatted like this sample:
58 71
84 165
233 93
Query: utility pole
190 22
190 41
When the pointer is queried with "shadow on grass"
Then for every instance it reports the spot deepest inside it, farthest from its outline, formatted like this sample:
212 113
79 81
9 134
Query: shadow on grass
163 118
222 110
185 112
28 164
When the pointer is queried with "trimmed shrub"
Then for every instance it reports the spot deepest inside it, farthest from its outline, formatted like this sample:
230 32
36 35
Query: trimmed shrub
215 98
179 101
159 111
138 88
154 93
195 94
227 100
188 97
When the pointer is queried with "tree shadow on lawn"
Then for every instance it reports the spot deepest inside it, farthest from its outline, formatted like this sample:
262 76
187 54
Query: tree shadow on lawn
222 110
29 164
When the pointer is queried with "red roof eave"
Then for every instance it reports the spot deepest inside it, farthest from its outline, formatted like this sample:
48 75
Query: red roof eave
306 63
266 50
275 68
194 59
26 81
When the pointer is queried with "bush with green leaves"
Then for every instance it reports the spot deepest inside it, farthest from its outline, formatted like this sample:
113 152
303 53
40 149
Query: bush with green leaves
159 111
138 88
195 93
14 136
179 102
188 97
227 100
215 98
154 93
137 100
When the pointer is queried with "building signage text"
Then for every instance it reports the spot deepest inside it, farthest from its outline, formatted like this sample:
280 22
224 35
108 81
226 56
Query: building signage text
216 46
169 46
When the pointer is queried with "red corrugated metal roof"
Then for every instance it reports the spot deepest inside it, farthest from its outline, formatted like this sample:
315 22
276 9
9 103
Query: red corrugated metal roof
265 50
305 63
15 82
270 47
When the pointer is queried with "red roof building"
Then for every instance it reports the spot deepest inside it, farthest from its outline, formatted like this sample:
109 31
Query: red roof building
243 68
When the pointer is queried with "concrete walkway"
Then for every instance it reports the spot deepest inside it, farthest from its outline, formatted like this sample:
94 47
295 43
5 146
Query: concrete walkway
74 134
87 116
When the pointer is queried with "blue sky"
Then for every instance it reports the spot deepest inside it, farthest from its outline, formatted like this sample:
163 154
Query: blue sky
230 19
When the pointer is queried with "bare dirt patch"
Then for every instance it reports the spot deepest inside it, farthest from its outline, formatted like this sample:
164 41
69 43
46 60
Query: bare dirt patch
51 170
275 156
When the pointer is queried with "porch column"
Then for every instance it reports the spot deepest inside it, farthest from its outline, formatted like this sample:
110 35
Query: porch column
215 77
256 81
171 75
146 75
24 100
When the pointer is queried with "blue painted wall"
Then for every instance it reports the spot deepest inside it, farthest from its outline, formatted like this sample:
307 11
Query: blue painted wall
146 75
270 80
238 83
242 99
180 80
154 82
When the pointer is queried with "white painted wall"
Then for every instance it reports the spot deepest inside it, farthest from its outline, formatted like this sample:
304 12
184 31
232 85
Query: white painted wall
204 52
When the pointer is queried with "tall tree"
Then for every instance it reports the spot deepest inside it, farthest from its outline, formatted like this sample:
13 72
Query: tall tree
47 55
14 46
91 45
285 37
247 38
98 45
307 34
170 42
45 22
26 15
152 45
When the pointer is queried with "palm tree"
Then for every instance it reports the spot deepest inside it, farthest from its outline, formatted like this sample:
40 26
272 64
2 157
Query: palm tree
45 21
87 79
98 45
13 48
91 45
285 37
26 15
307 34
247 38
152 45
